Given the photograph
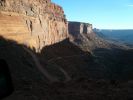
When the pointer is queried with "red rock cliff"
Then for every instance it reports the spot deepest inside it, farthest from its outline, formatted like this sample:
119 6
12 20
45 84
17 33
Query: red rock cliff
82 35
35 23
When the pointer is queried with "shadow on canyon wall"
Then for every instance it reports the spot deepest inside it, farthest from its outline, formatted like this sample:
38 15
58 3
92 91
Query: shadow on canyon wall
6 87
118 63
25 74
64 60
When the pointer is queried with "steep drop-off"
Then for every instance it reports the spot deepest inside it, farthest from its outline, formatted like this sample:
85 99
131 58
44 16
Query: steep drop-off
82 35
35 23
49 70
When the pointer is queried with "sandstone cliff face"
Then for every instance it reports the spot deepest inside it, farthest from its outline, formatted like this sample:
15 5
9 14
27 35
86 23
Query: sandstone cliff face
35 23
76 28
82 35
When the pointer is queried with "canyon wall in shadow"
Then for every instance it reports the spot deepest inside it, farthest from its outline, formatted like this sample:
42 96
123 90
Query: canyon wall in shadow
72 67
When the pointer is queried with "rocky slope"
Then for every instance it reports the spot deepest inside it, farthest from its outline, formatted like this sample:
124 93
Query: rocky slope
89 77
53 68
82 35
35 23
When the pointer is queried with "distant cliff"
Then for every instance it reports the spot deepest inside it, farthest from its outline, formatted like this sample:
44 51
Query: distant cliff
35 23
82 35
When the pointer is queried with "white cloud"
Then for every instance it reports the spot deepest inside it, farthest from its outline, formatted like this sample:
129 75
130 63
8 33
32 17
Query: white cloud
131 5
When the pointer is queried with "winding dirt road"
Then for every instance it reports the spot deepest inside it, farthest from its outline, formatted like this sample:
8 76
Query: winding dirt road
65 57
40 67
44 71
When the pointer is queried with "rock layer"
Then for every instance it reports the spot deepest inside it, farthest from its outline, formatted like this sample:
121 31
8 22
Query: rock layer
79 28
82 35
35 23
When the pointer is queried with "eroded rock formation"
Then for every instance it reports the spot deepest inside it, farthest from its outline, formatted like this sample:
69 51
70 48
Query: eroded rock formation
79 28
82 35
35 23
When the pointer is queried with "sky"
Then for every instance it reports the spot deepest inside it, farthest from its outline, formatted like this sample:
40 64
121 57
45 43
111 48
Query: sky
103 14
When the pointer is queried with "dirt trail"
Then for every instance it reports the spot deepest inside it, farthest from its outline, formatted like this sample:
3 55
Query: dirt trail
40 67
44 71
58 58
68 78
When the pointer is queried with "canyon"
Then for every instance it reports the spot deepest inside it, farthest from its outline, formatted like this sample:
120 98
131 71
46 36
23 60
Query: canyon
54 59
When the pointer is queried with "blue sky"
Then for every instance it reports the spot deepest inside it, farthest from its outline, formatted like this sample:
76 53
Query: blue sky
103 14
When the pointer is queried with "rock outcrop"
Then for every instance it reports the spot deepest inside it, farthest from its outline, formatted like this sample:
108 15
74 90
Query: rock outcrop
82 35
35 23
79 28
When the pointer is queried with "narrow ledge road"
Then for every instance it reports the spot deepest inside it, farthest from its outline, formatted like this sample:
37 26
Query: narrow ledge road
40 67
44 71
